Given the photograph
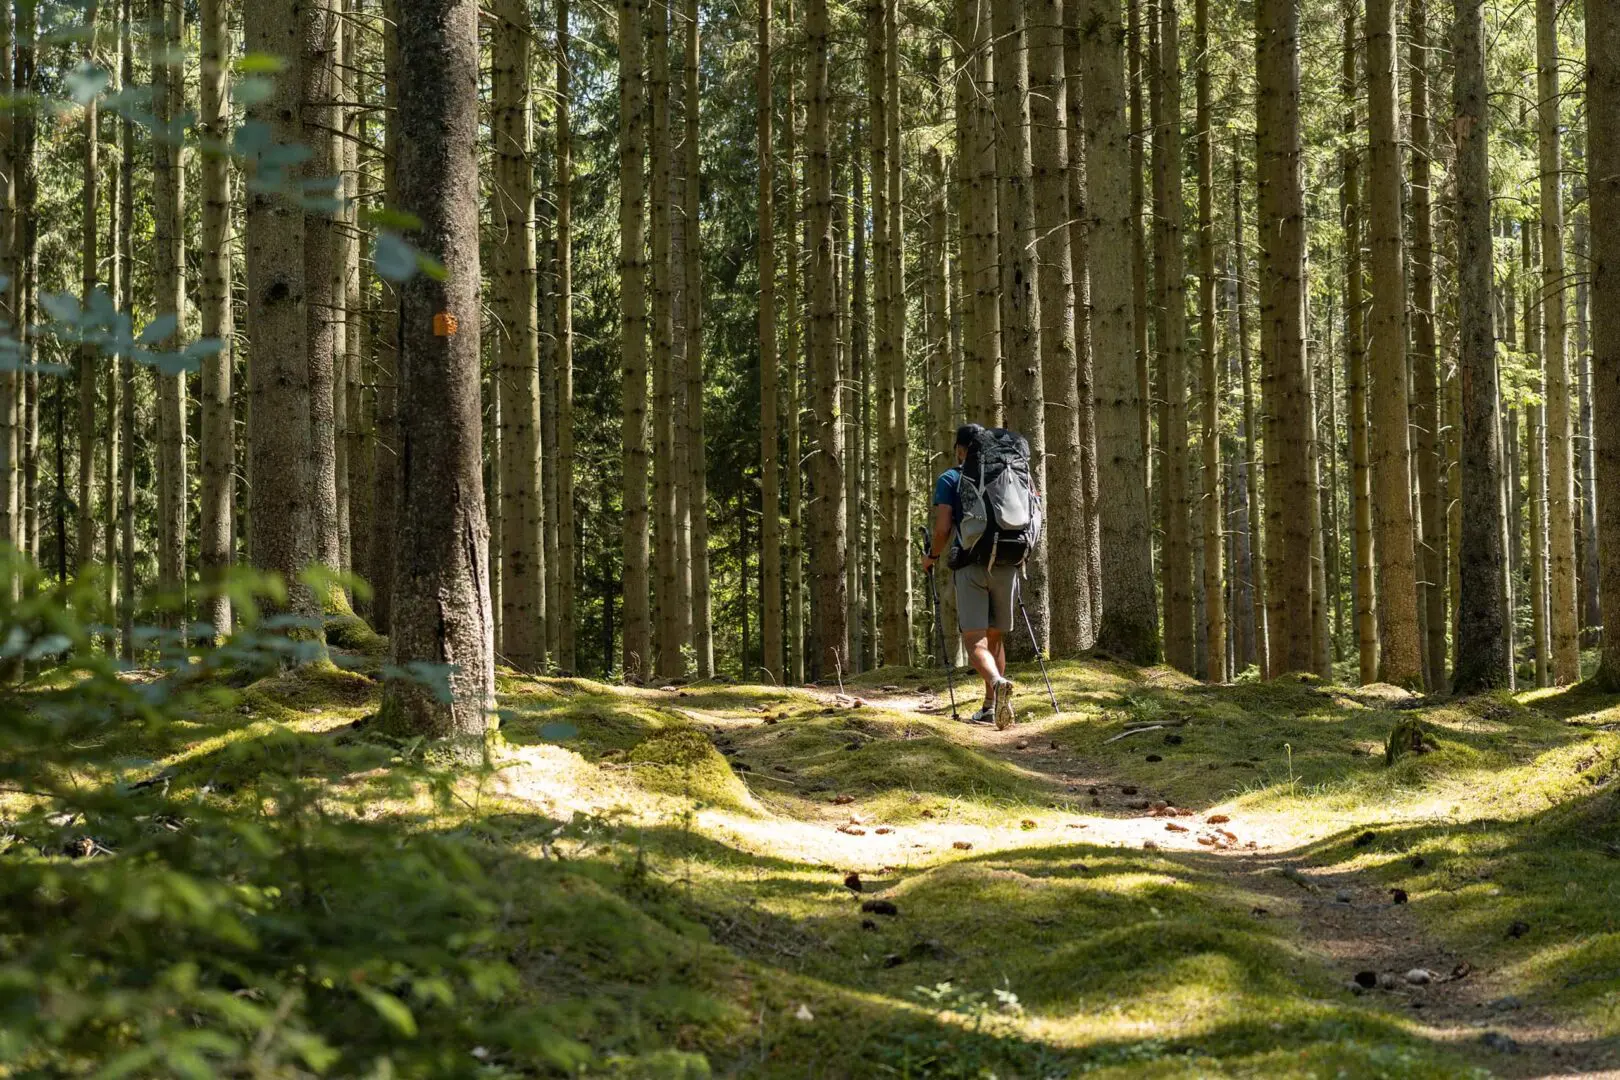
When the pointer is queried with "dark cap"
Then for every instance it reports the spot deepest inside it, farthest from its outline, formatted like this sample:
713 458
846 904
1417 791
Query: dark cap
967 433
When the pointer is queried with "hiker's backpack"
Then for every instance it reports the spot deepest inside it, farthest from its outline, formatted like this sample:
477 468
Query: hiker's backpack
1001 510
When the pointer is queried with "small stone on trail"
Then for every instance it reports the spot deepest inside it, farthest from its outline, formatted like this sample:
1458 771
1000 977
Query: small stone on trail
1343 896
1495 1040
1507 1004
1420 977
1026 824
1127 791
1075 825
879 907
1387 981
1091 791
1171 826
927 813
1518 929
1365 838
1022 744
852 882
1154 757
844 800
1149 845
891 689
804 1013
667 689
1368 979
851 830
1216 819
1260 912
1398 895
883 830
770 719
1160 805
962 845
1055 745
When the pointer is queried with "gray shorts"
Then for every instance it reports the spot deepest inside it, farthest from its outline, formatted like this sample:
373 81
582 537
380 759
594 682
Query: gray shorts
985 598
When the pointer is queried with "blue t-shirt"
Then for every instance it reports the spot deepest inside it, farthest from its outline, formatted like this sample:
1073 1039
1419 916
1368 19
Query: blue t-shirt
945 493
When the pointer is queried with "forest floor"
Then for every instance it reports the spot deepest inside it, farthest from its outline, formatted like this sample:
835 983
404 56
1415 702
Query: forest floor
1162 879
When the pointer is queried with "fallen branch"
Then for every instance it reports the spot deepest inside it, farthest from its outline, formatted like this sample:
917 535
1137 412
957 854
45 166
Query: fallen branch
1135 731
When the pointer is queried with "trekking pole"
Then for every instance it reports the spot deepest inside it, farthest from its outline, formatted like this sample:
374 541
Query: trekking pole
939 626
1040 654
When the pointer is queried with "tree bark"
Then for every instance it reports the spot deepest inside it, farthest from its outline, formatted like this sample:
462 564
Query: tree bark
1129 627
697 459
217 448
514 304
1080 259
11 380
322 301
566 552
791 360
1072 628
168 243
1024 392
1425 355
1563 615
279 460
769 392
831 631
637 630
1213 583
90 273
1482 660
670 596
385 502
1603 170
442 612
1286 378
1400 644
1355 351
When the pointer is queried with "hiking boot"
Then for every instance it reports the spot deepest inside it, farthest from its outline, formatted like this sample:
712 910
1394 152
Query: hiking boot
985 715
1003 704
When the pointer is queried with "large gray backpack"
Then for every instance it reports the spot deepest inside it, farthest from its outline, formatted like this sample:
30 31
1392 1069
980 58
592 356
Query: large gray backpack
1002 513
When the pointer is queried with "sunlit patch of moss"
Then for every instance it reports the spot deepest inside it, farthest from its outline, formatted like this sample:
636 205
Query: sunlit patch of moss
350 633
682 761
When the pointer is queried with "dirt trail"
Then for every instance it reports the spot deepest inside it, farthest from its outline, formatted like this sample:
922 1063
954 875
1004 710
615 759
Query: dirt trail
1353 923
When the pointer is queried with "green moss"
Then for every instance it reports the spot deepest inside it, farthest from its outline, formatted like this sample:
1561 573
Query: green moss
350 633
682 761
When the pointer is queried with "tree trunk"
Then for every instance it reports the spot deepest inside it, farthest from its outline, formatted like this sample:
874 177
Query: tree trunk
697 459
831 632
321 300
1591 605
567 661
1024 393
1355 345
11 380
1425 355
1080 259
1603 170
514 305
1139 250
85 534
862 632
442 610
1214 593
1072 628
898 453
218 440
358 322
168 243
637 628
1482 660
279 461
1400 643
386 485
670 596
126 362
983 259
769 393
791 359
1129 627
1286 378
1561 597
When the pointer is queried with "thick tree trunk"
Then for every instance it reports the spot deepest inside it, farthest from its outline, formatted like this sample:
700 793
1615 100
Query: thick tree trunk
791 360
442 608
514 304
1080 259
863 632
1129 625
898 453
1251 424
1024 393
1591 605
126 362
831 632
769 392
1399 640
1170 336
11 382
385 502
671 598
90 273
1213 585
1482 660
1072 626
637 630
1355 351
982 256
702 631
279 461
1286 378
1425 356
1139 249
168 244
218 440
1603 169
564 510
321 306
1561 597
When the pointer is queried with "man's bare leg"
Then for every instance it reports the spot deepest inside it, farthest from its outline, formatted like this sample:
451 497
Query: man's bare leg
983 649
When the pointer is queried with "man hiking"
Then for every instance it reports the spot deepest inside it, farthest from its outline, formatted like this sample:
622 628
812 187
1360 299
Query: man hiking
987 513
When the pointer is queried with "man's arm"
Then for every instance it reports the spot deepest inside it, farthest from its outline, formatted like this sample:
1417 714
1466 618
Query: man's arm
942 535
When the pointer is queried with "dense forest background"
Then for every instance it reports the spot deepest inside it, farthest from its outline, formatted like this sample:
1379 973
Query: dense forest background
1235 270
